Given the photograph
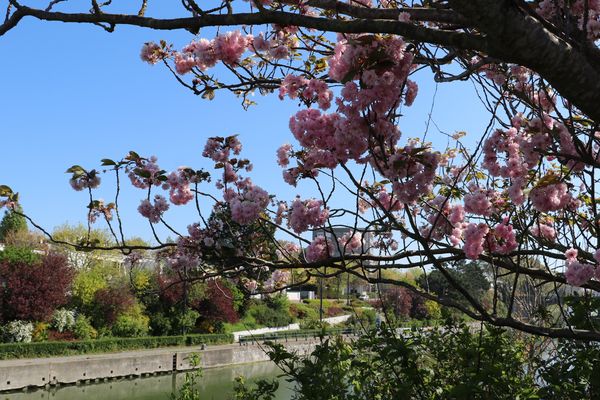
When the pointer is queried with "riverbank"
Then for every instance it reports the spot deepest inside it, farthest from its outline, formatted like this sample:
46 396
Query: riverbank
56 371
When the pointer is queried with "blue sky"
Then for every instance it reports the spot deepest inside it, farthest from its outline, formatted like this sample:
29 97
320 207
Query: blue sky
74 94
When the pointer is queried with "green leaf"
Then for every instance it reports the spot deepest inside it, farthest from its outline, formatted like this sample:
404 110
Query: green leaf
75 169
107 162
5 190
133 156
142 172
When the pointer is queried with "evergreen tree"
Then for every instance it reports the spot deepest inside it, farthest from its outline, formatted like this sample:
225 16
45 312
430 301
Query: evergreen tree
12 222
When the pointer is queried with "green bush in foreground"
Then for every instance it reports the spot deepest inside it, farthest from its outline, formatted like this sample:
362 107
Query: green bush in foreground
452 362
54 349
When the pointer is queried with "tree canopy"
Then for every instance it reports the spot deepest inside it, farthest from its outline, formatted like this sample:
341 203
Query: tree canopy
522 199
11 223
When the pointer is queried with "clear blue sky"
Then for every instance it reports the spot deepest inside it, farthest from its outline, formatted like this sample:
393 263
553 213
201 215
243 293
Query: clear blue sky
74 94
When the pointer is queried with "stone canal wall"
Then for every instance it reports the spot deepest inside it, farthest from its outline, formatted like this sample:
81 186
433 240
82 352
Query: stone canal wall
40 372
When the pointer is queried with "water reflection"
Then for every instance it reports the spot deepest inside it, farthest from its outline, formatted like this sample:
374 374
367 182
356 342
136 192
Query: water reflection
216 384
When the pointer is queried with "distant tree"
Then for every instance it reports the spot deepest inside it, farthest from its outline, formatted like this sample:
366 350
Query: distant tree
34 290
12 222
25 239
404 303
218 305
109 303
399 300
91 279
470 275
79 235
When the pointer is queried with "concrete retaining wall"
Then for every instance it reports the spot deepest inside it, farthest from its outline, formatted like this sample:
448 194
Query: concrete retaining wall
19 374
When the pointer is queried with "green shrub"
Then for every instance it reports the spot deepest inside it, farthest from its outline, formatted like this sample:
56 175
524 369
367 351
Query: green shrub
185 321
16 255
313 324
160 324
132 323
83 328
363 318
267 316
40 332
246 323
300 311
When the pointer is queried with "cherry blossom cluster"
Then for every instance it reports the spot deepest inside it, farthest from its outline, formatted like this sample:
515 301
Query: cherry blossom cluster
228 47
247 206
154 211
502 239
319 249
182 259
152 53
351 242
277 280
445 219
309 90
84 180
99 209
204 54
579 273
305 214
412 170
544 229
288 250
479 201
550 197
523 146
475 235
388 201
219 149
144 172
179 186
364 119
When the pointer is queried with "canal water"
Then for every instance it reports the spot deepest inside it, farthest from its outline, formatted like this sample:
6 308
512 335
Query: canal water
215 384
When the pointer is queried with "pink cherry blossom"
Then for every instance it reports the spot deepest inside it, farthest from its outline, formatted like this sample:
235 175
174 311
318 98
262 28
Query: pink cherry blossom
306 213
154 211
550 197
474 236
281 210
571 255
179 187
544 230
151 53
478 202
351 242
86 180
319 249
249 205
578 274
145 173
230 46
503 239
283 153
